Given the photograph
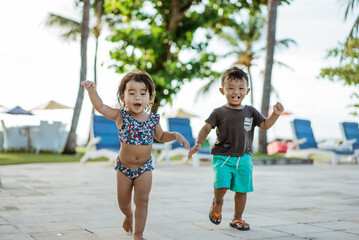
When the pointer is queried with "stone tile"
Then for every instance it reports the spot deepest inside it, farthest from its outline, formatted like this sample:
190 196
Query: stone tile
256 232
199 234
297 229
9 229
331 235
66 235
112 233
155 235
353 231
101 222
15 236
291 238
306 201
33 218
3 221
47 227
338 225
165 228
265 221
159 219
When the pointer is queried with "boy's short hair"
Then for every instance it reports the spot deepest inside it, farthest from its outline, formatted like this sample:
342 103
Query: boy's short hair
234 73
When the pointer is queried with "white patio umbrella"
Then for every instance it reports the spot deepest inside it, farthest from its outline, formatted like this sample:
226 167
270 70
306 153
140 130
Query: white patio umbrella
51 105
180 113
53 111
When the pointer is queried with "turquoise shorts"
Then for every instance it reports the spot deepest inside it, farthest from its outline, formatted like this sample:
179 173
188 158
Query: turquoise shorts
229 172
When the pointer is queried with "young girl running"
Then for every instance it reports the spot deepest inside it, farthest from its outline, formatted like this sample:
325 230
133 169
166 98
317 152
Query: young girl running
137 130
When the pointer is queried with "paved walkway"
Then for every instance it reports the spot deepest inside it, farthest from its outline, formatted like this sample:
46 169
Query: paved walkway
78 202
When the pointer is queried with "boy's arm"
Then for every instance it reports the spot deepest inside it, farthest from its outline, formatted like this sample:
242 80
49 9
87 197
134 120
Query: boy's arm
269 122
163 136
109 112
202 136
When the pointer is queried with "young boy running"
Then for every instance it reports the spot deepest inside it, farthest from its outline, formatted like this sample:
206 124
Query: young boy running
232 152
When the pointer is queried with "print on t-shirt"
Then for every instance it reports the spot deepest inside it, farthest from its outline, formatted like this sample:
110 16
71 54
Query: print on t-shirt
248 123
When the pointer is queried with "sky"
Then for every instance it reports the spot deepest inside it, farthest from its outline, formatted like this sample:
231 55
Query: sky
37 66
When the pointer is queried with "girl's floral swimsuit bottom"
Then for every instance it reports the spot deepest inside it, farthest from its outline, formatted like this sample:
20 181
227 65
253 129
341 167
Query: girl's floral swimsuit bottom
133 173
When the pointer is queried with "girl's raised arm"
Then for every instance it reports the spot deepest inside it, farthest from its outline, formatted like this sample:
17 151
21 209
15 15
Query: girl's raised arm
107 111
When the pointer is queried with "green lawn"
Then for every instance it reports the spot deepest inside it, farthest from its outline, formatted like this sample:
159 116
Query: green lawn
23 157
43 157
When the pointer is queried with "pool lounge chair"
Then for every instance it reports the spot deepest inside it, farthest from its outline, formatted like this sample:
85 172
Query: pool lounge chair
103 141
350 131
305 145
182 125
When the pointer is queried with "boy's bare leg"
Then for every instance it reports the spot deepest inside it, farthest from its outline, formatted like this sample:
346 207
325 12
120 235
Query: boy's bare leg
218 202
142 188
239 205
124 195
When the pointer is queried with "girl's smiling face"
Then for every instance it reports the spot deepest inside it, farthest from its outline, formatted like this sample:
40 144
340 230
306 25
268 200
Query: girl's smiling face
136 97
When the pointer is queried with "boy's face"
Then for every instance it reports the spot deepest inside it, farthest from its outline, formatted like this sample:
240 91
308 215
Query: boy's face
235 91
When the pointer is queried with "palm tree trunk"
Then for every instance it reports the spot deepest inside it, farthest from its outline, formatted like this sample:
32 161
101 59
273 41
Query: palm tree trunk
97 33
271 28
70 147
95 81
95 70
251 84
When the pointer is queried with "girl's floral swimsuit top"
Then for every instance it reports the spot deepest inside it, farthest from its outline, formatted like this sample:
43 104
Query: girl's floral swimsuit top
135 132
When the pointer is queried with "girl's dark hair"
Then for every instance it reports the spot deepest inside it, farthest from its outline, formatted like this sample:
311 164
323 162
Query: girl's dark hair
234 73
139 76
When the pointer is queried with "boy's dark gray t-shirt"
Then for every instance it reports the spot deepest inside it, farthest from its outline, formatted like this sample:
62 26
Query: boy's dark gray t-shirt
235 129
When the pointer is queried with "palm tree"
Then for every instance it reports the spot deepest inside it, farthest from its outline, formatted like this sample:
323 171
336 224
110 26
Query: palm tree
271 28
70 147
247 34
242 38
72 32
72 28
351 7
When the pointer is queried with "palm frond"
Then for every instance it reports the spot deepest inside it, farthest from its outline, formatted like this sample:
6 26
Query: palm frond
282 64
275 92
285 43
354 31
205 89
70 26
230 38
227 54
349 8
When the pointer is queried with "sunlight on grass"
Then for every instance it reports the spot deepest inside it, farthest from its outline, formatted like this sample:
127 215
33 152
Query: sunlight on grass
22 157
48 157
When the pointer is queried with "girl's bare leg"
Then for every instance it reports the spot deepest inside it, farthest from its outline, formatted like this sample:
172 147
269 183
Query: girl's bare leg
142 188
124 196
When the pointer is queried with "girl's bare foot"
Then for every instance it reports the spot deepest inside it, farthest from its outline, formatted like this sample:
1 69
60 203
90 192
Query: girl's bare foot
138 237
127 224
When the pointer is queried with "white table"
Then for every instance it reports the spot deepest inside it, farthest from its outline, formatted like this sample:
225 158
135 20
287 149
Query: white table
27 129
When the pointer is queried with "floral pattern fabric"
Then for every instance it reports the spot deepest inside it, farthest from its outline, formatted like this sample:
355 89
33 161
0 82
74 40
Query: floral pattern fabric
133 173
135 132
